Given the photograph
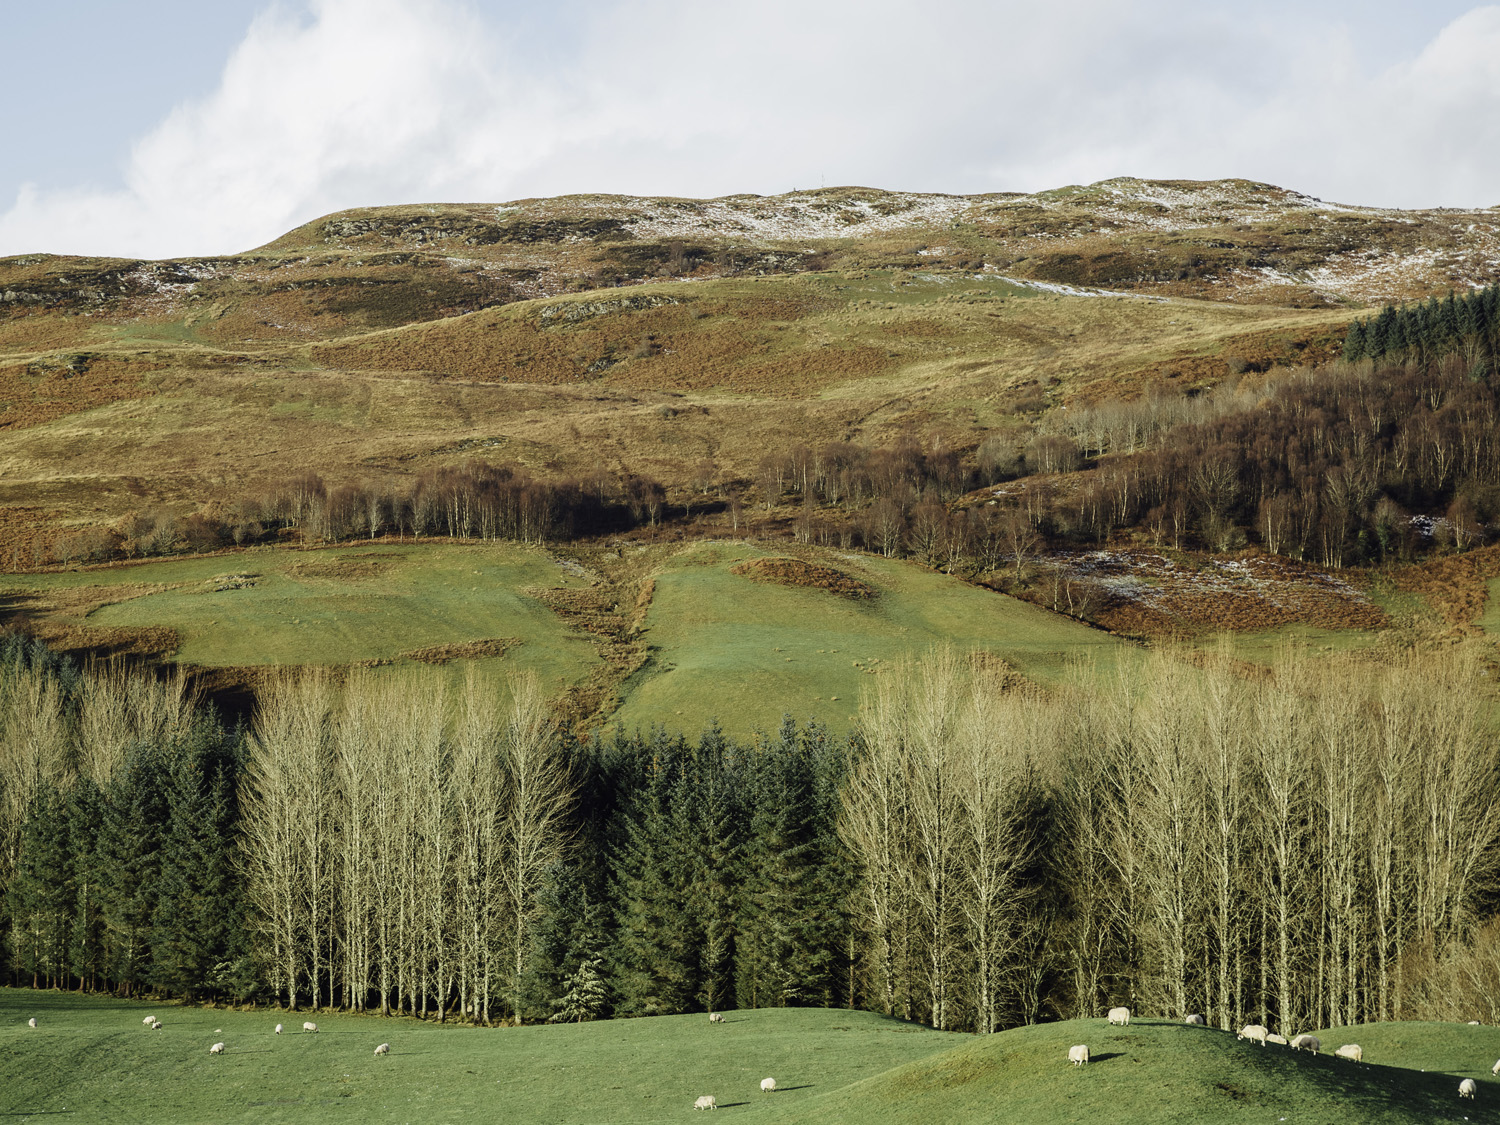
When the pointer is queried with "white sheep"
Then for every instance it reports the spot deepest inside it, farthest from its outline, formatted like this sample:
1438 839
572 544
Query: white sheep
1253 1031
1473 1023
1195 1021
1352 1051
1279 1040
1307 1043
1466 1089
1120 1016
1496 1068
278 1029
383 1049
216 1049
1078 1055
706 1102
149 1020
714 1017
309 1026
31 1022
156 1025
767 1085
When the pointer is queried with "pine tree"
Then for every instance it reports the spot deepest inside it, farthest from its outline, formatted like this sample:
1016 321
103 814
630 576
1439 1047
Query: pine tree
86 931
196 923
587 997
135 813
716 848
39 895
655 953
1354 342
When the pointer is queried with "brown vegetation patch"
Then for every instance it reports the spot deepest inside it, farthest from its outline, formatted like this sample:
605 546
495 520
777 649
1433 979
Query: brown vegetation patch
370 565
132 643
1146 594
1246 355
26 536
462 650
796 572
1456 586
43 390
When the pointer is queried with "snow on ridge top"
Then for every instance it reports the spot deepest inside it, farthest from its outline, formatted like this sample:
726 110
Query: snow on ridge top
797 215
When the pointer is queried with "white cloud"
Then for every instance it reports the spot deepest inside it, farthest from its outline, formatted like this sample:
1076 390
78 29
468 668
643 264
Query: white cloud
383 101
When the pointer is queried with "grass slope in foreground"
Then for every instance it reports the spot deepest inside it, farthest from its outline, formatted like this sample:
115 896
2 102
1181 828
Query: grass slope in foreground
1158 1072
728 647
91 1060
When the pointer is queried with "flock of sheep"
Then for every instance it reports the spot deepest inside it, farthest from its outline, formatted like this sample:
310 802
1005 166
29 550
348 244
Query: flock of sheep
1079 1054
708 1101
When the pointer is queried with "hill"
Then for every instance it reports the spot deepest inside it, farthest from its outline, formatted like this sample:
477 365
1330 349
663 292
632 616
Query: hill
376 342
622 343
91 1058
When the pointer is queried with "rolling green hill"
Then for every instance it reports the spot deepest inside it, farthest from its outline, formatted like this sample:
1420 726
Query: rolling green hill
724 645
90 1059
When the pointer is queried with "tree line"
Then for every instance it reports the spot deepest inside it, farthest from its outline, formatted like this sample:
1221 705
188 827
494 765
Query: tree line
476 500
1425 332
1304 845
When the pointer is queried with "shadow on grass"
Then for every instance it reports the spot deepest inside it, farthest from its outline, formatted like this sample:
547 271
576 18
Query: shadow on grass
1104 1057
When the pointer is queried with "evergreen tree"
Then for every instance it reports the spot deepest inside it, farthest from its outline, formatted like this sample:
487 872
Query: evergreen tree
587 997
716 849
86 933
39 896
1354 342
656 951
135 813
196 924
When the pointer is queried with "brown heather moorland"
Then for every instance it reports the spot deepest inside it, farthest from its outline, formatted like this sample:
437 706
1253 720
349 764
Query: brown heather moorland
693 343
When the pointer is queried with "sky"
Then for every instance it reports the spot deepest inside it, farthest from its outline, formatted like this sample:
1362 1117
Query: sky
169 128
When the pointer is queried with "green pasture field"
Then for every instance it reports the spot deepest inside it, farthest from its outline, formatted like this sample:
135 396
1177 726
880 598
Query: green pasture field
90 1060
336 606
1160 1072
744 652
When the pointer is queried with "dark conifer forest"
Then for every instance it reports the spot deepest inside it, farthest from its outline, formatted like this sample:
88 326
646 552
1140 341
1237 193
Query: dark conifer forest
1310 846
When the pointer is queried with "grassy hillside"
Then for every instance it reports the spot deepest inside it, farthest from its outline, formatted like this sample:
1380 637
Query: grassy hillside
726 645
439 604
90 1058
1159 1072
719 644
644 335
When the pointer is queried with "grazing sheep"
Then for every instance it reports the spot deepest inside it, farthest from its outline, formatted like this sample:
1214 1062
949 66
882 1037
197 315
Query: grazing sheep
1466 1089
1195 1021
1279 1040
383 1049
1078 1055
1307 1043
714 1017
1253 1031
31 1022
309 1027
156 1025
1496 1068
767 1085
149 1020
1351 1051
1120 1016
216 1049
1473 1023
278 1029
706 1102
